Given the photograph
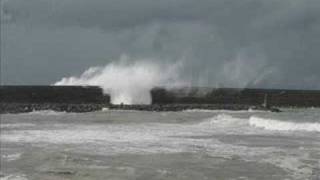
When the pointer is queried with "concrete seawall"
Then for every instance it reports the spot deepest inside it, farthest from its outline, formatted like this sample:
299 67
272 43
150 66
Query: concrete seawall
15 99
254 97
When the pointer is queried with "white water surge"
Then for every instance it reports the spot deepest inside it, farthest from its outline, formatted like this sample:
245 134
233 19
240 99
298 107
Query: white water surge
244 143
128 83
277 125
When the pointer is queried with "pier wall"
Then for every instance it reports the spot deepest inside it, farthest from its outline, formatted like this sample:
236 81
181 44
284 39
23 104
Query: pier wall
15 99
269 97
61 98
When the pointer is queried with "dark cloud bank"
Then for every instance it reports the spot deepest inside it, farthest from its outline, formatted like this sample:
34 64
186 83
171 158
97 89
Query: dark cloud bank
260 43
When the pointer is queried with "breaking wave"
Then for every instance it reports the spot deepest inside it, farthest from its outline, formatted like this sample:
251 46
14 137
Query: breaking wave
16 125
46 113
277 125
14 177
222 111
128 83
221 120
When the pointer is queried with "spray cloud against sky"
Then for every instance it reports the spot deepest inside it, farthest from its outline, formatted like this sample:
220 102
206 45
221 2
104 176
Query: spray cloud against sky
129 82
224 43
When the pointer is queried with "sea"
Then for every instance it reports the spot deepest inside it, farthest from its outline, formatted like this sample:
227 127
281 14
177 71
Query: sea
140 145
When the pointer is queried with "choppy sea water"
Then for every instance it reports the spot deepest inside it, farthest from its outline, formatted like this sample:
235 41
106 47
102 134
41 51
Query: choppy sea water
195 145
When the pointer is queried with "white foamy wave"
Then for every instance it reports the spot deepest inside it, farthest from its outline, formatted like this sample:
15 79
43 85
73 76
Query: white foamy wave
277 125
223 111
220 118
14 177
105 109
46 113
11 157
128 83
16 125
222 121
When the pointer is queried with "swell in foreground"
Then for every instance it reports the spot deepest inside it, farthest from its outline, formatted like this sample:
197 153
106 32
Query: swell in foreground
197 144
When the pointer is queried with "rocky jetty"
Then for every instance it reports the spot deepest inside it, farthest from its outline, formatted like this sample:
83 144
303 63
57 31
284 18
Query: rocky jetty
244 97
53 94
60 107
20 99
17 99
182 107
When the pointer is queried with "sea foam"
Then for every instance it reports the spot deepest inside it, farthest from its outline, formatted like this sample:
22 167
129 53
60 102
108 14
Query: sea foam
46 113
277 125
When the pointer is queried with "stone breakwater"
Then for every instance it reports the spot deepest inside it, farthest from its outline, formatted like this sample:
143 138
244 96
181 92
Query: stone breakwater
252 97
182 107
60 107
81 108
53 94
23 99
19 99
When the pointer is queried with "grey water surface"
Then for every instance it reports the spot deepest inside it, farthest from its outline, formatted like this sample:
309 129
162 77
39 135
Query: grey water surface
194 144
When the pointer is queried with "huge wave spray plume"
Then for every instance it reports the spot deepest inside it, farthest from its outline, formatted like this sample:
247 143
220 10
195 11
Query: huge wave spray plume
129 83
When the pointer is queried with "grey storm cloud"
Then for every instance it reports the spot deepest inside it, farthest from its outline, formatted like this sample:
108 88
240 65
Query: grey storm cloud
257 43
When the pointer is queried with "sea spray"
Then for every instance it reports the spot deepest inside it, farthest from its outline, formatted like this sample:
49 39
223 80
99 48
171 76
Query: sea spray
277 125
129 82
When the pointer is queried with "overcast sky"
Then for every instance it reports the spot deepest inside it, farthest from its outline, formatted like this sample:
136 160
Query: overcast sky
265 43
